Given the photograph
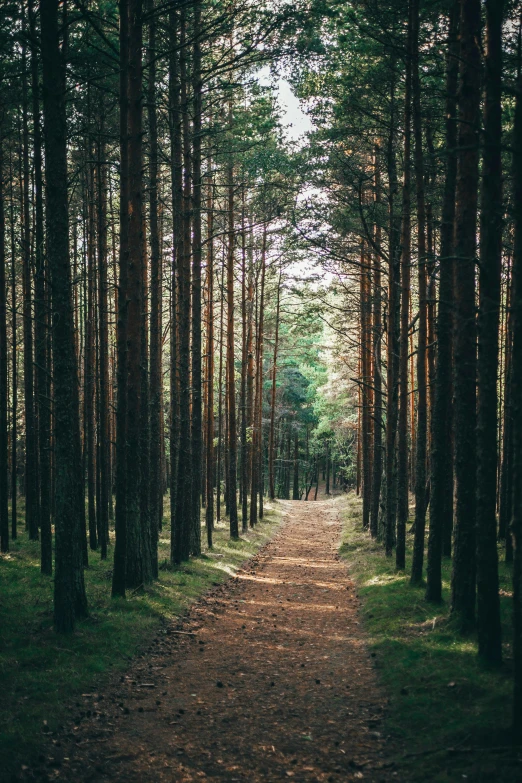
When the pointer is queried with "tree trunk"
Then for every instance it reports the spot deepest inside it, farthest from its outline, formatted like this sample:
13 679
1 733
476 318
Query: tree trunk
156 375
366 380
441 457
210 461
89 360
271 475
177 253
295 489
244 371
134 572
230 385
402 466
70 600
465 339
220 398
120 547
103 315
4 512
377 373
421 442
43 385
516 384
14 371
392 400
196 432
31 456
488 604
257 439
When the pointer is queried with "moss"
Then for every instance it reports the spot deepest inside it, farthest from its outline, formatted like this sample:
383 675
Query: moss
41 671
448 713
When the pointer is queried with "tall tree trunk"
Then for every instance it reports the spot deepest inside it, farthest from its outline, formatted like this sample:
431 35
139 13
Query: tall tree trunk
402 467
120 547
103 314
155 391
197 420
220 397
89 360
41 318
69 589
394 275
14 370
365 382
257 439
184 485
244 371
465 339
516 390
249 403
31 456
4 512
177 248
271 475
295 488
231 390
488 604
210 460
441 457
134 572
421 443
376 349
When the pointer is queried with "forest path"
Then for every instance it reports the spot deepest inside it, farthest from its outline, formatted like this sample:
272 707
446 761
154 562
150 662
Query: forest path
268 678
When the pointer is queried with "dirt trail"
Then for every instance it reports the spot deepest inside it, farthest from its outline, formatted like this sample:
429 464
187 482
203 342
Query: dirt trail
267 679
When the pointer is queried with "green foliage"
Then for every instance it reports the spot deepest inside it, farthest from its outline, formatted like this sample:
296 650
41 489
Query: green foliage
450 716
39 670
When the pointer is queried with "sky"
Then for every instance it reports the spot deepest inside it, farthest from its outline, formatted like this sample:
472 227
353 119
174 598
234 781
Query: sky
296 122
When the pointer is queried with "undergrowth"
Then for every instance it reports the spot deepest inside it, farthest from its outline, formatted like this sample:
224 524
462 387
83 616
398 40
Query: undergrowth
41 671
448 714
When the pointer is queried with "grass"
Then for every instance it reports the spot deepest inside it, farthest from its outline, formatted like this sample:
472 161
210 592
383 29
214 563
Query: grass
40 671
448 713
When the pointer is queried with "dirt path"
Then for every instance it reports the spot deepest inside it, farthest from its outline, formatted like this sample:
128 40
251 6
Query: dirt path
267 679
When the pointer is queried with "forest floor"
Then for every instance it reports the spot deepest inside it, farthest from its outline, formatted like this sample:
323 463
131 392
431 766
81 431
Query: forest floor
267 677
448 715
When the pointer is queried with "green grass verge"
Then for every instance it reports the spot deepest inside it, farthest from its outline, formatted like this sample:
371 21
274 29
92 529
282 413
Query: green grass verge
41 671
449 714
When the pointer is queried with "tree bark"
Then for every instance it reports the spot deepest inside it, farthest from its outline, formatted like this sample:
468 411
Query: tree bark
421 442
393 350
516 384
197 421
70 600
441 457
271 473
31 455
4 512
43 385
230 385
488 603
120 547
402 466
465 333
376 350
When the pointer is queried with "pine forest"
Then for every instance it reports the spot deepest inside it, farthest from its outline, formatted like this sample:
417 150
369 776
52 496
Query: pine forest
260 390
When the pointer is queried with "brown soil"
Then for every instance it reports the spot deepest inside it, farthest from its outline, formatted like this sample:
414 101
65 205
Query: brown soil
267 678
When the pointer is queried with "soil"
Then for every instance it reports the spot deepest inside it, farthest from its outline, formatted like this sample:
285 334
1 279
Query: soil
267 678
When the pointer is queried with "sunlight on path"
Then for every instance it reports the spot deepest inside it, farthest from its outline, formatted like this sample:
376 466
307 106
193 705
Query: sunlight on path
268 679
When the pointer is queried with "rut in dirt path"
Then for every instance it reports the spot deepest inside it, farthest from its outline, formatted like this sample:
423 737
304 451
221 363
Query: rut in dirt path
269 678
